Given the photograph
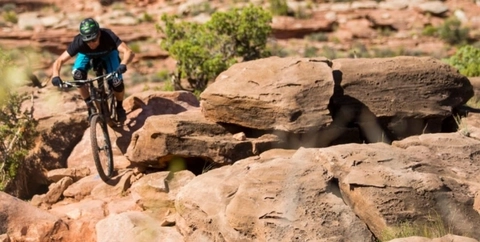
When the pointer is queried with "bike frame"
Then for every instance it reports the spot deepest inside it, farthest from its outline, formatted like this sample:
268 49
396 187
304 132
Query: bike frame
99 121
99 94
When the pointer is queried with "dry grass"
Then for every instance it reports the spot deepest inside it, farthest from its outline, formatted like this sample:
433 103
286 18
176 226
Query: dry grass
474 102
432 227
462 126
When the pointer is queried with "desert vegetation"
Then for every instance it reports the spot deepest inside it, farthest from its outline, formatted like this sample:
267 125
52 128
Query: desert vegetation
17 125
202 52
205 50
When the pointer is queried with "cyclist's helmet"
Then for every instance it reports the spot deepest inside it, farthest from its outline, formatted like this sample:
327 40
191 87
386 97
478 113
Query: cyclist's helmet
89 29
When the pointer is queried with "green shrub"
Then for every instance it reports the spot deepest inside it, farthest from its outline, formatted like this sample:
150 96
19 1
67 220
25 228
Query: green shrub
203 51
161 76
466 60
169 87
17 131
430 30
451 31
10 16
149 63
147 18
17 125
135 47
279 7
310 51
9 7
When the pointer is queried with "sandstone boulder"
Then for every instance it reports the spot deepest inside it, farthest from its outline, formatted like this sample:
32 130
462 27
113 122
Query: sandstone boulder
287 94
24 222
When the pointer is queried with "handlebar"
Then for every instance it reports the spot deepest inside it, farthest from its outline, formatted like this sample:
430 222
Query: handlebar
73 83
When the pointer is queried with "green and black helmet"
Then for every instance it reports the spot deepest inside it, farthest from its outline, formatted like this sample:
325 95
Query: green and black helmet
89 29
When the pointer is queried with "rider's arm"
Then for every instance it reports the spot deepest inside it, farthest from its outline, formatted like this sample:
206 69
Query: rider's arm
127 53
57 65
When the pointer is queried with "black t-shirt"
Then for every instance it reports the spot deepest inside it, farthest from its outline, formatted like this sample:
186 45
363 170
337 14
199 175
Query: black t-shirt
109 41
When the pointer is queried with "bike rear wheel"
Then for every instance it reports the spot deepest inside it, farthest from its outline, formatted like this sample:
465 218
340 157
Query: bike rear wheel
101 147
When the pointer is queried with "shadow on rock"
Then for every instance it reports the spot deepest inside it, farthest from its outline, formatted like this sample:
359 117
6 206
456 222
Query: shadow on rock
139 113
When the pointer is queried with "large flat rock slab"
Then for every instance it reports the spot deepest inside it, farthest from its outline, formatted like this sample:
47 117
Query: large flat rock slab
288 94
189 135
404 85
386 98
273 197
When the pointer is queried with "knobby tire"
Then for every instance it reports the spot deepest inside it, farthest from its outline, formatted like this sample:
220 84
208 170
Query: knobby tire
101 147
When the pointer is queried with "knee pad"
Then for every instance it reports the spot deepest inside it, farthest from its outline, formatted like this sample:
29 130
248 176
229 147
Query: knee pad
79 74
119 88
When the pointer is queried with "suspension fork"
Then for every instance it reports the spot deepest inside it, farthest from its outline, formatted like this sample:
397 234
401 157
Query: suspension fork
94 96
99 69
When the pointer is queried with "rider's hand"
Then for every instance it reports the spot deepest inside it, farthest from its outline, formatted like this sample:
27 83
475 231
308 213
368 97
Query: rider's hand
122 68
56 81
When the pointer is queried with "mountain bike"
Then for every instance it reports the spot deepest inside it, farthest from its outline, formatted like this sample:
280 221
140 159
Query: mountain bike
103 114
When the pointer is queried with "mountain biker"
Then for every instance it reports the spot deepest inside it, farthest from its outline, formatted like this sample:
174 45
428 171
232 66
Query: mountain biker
96 43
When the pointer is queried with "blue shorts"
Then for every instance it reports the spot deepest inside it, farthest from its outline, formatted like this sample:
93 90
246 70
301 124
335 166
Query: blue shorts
112 61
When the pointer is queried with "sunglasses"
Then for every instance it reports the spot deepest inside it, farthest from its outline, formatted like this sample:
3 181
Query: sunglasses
92 40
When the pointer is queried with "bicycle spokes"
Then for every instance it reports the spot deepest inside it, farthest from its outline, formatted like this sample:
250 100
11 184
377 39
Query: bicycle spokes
101 147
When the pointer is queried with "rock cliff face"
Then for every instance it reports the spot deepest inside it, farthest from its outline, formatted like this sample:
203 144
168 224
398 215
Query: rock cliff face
278 149
189 170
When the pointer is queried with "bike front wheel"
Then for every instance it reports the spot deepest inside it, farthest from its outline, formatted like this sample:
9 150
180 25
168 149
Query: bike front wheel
101 147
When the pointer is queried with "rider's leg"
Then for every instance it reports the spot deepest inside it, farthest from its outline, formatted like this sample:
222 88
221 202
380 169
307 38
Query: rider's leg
119 92
80 70
112 61
119 96
84 91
